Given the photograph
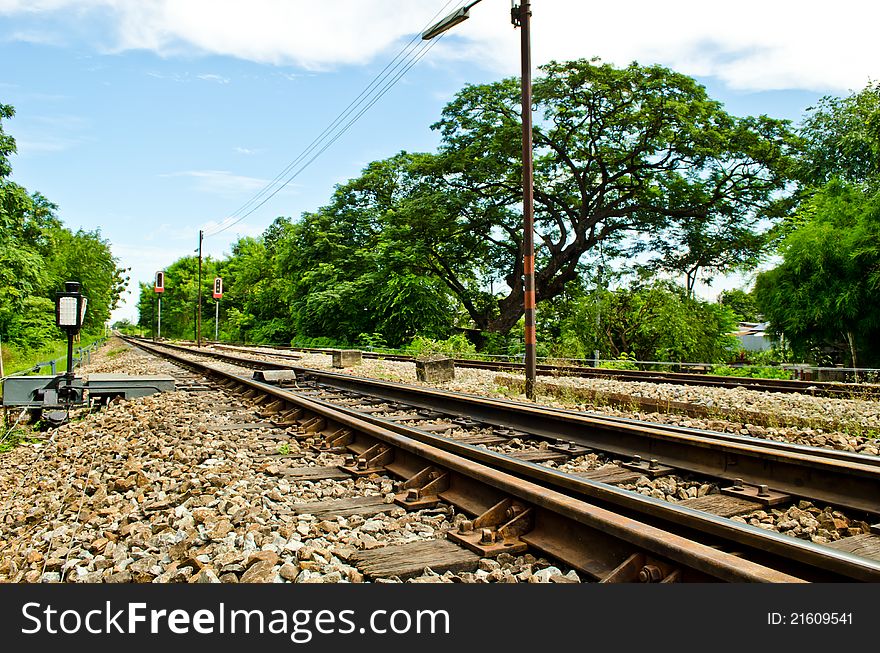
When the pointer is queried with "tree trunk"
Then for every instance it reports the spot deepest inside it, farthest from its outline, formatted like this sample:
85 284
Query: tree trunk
512 308
852 351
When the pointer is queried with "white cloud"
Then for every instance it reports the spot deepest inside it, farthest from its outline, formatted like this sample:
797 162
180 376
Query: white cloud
223 182
214 78
749 44
27 146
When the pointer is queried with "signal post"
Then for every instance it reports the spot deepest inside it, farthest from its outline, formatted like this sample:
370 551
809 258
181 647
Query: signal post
218 294
159 288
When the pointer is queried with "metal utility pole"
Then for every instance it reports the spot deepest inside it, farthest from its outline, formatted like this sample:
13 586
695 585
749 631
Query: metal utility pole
520 13
520 16
199 313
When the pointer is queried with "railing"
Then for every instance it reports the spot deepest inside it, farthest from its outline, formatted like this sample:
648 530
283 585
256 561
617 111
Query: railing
82 356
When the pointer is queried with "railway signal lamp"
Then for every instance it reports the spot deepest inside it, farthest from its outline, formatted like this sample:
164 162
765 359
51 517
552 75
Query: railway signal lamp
70 311
70 308
218 293
159 287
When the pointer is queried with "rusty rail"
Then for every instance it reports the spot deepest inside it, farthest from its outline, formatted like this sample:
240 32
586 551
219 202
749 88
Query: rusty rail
559 523
817 388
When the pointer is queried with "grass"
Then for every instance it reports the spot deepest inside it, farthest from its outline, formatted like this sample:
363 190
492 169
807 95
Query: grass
16 360
16 437
284 449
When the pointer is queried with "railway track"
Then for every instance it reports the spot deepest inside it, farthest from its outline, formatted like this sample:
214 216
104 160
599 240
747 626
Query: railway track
815 388
390 429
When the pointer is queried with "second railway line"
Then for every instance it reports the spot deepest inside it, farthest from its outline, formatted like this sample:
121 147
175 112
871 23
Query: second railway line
853 526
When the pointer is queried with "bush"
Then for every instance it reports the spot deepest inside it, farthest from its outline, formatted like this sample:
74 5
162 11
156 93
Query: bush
624 362
319 343
372 341
452 346
751 371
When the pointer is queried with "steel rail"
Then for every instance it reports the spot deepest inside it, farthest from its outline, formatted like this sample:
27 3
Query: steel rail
841 478
818 388
588 535
809 559
844 479
758 540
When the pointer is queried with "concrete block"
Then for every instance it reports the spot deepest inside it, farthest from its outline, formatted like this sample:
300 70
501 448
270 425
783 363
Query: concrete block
435 369
346 357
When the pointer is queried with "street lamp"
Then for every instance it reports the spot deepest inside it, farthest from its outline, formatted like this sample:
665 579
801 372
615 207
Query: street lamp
520 14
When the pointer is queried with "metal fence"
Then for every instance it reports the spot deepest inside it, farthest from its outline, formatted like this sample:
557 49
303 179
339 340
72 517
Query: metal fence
81 356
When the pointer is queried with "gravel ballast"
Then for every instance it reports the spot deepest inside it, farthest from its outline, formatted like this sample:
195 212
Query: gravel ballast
843 424
150 490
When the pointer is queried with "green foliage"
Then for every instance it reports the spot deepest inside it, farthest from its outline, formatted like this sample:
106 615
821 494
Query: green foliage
623 362
822 298
33 326
18 358
372 341
656 322
126 327
86 257
823 295
37 255
842 139
320 342
741 303
368 261
15 438
457 345
751 371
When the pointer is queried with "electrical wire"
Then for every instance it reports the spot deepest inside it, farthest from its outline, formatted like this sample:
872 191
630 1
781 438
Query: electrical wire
329 143
406 58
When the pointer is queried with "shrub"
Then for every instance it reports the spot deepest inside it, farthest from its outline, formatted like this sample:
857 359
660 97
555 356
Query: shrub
623 362
454 346
751 371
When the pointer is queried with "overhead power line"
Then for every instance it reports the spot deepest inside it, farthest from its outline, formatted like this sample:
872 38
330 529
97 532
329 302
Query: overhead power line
409 55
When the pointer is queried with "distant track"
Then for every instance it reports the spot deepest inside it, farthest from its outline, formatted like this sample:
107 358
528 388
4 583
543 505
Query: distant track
814 388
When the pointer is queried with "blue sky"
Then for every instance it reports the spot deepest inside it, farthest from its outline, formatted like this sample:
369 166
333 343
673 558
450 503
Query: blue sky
152 120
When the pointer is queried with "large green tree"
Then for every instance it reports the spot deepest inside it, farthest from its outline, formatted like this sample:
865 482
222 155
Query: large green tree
842 138
823 297
376 258
627 157
255 303
38 254
656 321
